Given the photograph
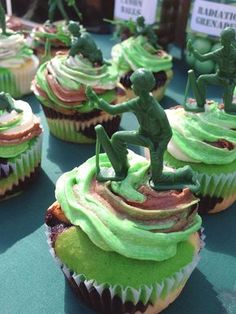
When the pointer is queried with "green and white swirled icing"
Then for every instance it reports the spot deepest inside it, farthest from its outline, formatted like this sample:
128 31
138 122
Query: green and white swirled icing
13 51
194 135
14 123
73 74
136 52
106 227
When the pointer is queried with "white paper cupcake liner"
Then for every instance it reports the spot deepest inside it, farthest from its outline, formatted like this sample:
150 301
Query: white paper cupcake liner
22 166
25 75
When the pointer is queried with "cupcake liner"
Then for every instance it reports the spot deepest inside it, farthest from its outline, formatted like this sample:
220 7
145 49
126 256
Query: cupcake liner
218 185
146 294
23 166
17 81
82 132
25 75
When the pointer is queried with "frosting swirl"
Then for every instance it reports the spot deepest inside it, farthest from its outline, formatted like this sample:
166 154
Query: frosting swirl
17 130
13 51
136 52
127 222
60 36
208 137
63 81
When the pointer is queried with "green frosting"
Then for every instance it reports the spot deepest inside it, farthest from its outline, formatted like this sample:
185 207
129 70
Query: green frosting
74 249
200 167
8 151
23 52
193 134
104 226
136 52
11 123
73 74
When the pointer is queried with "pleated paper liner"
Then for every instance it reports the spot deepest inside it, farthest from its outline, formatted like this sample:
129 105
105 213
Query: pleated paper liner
79 131
24 168
17 81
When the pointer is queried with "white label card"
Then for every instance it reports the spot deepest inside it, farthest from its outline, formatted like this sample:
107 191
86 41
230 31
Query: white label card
131 9
211 17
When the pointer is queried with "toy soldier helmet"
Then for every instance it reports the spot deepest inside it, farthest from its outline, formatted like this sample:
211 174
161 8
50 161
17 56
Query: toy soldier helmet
143 79
228 34
74 28
140 20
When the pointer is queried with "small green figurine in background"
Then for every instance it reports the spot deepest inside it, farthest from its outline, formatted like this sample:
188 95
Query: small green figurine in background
59 4
7 103
154 132
225 76
84 44
147 31
124 29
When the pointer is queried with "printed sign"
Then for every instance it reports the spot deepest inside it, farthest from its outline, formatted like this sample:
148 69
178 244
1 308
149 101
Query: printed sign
131 9
211 17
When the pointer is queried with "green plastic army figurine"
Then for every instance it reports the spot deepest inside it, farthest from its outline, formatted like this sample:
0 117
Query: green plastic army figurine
83 43
7 103
154 132
147 31
124 29
59 4
225 76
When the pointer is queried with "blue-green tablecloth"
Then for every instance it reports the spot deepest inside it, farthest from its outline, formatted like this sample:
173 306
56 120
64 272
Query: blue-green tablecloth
30 281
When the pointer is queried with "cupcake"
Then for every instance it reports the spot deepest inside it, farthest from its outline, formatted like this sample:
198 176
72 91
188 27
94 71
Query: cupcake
57 35
20 145
142 51
206 142
18 64
54 35
125 232
123 247
60 86
204 134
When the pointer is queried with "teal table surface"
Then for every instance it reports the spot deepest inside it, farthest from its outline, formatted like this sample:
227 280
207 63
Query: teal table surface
30 281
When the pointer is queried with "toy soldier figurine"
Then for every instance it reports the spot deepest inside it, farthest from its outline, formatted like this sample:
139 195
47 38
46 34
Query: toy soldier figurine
59 4
84 44
147 31
154 132
225 76
7 103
